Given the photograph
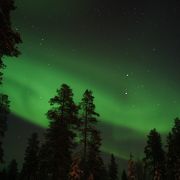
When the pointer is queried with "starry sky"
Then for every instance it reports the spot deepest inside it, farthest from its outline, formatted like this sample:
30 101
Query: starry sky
126 52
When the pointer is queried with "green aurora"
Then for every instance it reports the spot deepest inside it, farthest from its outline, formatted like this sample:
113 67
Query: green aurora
133 84
119 98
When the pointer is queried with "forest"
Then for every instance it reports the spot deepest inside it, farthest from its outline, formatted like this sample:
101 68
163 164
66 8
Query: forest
71 147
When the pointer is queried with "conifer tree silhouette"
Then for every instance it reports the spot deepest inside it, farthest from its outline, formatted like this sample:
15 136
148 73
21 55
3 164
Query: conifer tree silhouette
31 159
8 47
44 165
113 169
60 136
95 163
87 119
8 37
140 171
4 111
173 154
91 163
155 155
87 127
124 175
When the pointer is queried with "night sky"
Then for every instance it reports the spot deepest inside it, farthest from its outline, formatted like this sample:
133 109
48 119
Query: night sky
126 52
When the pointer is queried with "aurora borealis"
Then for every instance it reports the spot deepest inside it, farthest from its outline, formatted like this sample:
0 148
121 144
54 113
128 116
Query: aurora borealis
126 52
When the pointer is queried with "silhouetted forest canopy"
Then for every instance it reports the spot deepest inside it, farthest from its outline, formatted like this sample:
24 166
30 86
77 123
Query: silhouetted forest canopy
71 147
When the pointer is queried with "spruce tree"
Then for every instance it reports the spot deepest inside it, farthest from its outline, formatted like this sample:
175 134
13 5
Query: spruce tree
44 165
124 175
4 111
8 47
155 155
60 136
113 169
9 38
12 172
95 164
31 161
173 154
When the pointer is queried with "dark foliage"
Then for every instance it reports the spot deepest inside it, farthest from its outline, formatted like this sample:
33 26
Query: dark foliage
8 37
44 165
124 175
12 171
173 154
113 168
8 47
155 155
94 161
4 111
92 164
60 136
31 161
139 168
87 119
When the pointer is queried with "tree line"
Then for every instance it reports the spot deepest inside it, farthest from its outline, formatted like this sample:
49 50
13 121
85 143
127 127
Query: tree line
160 162
71 149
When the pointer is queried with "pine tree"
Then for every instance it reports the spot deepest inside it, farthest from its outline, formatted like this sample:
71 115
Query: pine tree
44 165
113 169
155 155
92 164
8 47
87 119
30 166
8 37
12 172
124 175
4 111
60 136
94 161
173 154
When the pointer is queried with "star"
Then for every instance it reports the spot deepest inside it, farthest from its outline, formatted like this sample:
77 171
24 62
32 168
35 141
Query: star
17 29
